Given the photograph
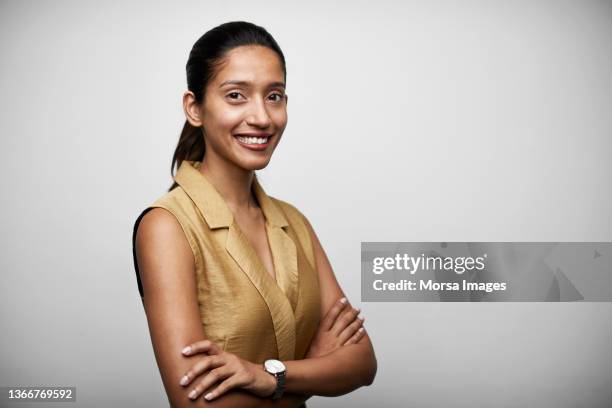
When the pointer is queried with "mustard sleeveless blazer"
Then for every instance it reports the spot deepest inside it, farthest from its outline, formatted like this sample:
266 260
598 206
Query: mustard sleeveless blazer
242 307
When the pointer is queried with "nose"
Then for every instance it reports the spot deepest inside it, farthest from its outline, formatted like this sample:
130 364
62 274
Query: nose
258 115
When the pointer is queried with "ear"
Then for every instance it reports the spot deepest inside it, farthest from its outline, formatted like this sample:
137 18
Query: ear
192 109
286 99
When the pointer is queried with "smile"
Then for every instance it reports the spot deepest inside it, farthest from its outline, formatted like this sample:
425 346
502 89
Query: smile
253 143
252 140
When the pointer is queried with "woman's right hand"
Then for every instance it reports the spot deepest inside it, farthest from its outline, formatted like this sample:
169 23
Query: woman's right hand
339 327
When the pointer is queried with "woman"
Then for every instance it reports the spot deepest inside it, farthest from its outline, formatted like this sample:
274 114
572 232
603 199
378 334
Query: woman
242 304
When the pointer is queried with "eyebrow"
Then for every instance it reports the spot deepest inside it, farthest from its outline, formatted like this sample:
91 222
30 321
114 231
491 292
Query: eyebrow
246 83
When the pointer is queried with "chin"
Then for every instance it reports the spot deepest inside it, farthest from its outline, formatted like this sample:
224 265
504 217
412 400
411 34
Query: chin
255 164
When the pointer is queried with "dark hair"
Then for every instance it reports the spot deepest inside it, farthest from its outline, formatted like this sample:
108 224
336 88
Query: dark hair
207 54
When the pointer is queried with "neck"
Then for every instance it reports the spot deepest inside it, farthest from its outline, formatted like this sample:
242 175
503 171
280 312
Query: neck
233 183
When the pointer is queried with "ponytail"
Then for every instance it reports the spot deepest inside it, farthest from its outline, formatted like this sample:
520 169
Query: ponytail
190 147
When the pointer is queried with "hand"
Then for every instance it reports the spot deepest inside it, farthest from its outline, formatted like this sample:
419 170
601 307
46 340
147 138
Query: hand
339 327
227 368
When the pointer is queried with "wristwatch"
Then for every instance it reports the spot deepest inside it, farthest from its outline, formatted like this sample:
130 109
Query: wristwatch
278 370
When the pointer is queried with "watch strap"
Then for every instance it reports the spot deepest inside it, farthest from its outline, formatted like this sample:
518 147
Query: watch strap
280 385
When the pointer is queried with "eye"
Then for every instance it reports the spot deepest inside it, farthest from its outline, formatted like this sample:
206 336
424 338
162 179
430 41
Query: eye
234 95
280 96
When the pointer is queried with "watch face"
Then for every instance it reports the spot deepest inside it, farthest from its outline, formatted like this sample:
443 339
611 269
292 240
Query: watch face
274 366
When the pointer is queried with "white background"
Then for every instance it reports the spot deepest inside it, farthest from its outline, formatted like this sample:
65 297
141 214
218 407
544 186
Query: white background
408 121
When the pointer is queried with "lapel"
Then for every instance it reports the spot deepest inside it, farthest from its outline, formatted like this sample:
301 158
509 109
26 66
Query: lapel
280 295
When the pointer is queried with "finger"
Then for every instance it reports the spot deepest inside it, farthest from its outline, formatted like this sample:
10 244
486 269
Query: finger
356 337
344 320
215 375
351 329
332 314
200 367
201 346
229 383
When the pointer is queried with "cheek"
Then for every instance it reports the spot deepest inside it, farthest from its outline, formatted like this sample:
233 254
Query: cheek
221 118
222 126
229 119
279 117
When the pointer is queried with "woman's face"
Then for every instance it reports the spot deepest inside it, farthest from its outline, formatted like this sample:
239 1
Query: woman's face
244 112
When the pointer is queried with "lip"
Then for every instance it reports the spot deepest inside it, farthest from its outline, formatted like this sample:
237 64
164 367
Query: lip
257 147
254 134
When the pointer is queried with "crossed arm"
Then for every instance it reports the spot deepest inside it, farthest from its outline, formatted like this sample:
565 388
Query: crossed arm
170 301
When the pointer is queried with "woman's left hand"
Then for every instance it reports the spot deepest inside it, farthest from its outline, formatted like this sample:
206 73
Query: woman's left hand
227 368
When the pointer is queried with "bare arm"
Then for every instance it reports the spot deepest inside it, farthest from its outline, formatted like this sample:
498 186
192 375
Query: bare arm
345 369
167 271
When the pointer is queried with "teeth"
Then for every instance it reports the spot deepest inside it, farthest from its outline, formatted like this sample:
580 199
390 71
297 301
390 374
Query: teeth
252 140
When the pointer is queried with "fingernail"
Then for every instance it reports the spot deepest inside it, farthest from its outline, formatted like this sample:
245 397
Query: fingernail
184 380
343 301
357 309
361 329
209 396
187 350
361 318
192 394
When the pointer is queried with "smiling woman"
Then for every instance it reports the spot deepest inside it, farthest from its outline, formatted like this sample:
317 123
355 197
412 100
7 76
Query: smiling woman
242 304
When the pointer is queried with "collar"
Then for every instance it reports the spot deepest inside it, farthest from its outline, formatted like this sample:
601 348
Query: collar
212 205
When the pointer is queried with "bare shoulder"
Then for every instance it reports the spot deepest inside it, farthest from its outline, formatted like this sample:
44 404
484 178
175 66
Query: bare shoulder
157 222
160 239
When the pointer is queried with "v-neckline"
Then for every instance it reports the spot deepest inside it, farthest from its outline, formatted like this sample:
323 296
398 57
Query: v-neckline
268 243
217 214
259 259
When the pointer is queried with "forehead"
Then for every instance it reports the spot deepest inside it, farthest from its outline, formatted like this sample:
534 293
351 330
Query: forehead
253 63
